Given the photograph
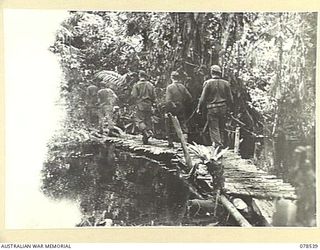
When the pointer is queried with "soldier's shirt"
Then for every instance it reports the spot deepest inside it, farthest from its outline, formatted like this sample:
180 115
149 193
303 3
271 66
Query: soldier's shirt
92 97
143 90
107 96
216 91
177 93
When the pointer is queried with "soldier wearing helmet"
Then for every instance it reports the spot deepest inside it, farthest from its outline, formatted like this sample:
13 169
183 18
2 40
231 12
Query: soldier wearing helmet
217 97
144 94
92 104
106 99
177 96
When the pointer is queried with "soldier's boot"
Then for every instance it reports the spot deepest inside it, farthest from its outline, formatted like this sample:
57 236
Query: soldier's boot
170 142
101 126
168 131
145 137
112 132
145 140
101 130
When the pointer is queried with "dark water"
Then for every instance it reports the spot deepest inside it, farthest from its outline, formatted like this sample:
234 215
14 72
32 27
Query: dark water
117 188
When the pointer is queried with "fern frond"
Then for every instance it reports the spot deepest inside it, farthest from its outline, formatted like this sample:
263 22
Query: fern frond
215 150
222 152
111 77
207 154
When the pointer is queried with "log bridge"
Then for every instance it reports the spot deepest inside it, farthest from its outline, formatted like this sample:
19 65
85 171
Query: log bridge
241 177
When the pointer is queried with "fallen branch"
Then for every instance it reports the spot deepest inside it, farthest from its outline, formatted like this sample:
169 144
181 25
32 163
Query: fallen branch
179 132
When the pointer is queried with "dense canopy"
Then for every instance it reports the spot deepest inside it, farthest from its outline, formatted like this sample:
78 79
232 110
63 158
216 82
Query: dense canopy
269 58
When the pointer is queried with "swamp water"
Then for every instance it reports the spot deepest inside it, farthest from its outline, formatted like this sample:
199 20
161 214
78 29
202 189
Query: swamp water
117 188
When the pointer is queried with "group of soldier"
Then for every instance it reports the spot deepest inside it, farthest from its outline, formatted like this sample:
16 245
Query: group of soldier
104 100
216 97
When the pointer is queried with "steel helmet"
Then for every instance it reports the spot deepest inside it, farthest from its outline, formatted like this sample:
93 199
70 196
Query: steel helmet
216 68
175 75
142 74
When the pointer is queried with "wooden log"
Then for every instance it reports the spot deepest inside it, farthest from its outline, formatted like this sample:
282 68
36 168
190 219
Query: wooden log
262 196
216 202
265 209
255 151
192 190
234 212
237 140
177 127
200 204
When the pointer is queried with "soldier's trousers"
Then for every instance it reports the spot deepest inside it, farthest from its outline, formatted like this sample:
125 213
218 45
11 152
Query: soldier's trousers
92 116
106 115
216 118
143 120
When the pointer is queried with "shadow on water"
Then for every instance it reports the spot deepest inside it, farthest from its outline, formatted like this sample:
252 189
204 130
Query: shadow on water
114 187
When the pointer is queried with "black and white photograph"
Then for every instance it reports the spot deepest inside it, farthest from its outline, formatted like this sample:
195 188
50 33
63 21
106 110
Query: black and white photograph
159 119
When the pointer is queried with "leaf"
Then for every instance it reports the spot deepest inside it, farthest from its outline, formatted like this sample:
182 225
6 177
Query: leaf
222 152
215 150
111 77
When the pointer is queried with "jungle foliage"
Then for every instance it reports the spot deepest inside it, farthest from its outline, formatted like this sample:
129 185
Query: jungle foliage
269 59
